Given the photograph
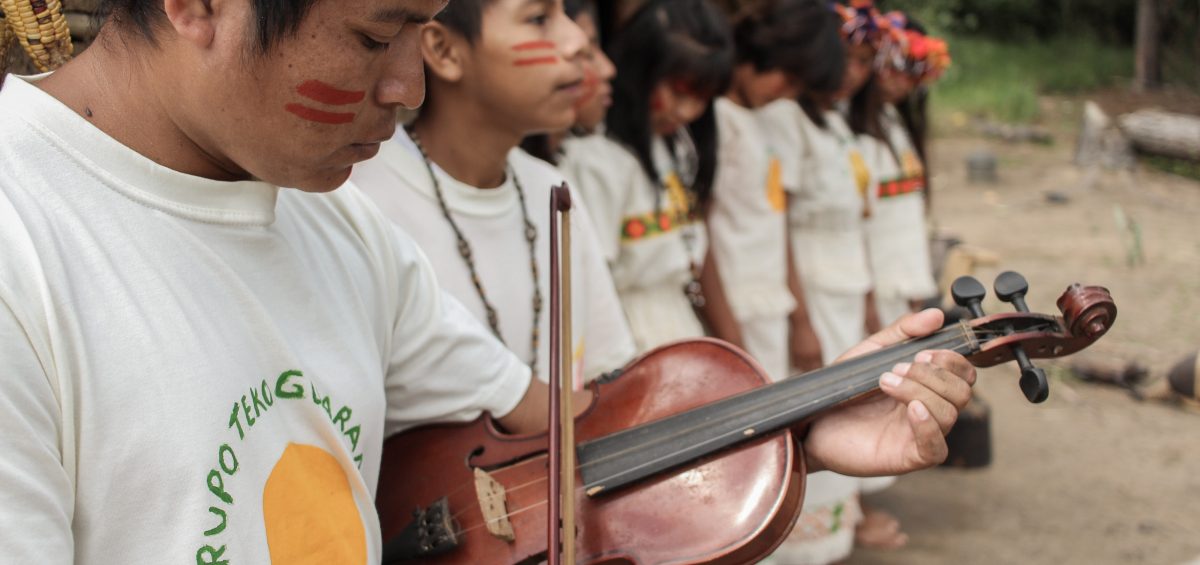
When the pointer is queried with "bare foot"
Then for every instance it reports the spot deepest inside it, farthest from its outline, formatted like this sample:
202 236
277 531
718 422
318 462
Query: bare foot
879 530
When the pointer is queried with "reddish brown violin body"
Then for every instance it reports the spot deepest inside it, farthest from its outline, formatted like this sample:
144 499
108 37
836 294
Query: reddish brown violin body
732 505
732 509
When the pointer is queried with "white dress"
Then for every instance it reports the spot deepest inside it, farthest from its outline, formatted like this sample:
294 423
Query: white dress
647 232
828 233
748 227
896 235
827 238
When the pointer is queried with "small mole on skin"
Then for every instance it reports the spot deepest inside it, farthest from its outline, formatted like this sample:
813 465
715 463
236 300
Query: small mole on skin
87 111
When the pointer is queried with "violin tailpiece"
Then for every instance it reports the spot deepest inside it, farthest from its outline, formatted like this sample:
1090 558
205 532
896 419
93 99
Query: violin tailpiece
432 532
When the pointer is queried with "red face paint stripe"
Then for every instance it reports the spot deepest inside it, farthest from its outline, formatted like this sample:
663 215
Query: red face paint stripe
314 115
532 45
591 86
535 61
326 94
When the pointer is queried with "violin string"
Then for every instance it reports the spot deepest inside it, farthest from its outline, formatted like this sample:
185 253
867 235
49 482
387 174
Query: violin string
759 406
534 459
772 401
702 443
769 401
580 467
535 504
505 516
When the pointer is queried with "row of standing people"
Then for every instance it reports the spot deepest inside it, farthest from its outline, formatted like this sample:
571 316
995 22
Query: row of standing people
174 319
743 175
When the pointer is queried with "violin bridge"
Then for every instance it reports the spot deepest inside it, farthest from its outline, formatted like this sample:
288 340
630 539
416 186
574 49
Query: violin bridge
493 503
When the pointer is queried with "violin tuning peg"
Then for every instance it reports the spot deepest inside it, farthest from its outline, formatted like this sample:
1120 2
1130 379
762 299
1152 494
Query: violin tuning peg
1035 385
969 293
1011 287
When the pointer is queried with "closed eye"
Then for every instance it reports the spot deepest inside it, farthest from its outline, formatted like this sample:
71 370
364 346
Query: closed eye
371 44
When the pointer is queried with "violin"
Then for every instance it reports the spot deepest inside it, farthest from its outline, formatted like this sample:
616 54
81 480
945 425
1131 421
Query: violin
687 454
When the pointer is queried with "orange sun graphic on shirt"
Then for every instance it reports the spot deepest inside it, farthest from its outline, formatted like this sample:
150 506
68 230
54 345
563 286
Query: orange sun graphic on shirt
309 511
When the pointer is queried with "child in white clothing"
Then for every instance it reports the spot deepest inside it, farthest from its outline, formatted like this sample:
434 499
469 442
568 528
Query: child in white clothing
646 178
897 235
747 220
482 216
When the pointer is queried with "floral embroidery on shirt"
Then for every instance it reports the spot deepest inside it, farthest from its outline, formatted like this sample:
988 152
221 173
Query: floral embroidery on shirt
678 213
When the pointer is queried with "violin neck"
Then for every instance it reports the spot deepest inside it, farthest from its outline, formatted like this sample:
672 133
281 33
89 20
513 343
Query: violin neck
626 457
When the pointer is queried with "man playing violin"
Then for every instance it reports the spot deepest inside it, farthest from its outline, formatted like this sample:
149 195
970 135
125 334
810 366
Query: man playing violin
198 364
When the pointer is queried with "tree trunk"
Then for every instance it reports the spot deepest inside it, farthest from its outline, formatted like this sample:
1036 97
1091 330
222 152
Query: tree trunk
1148 66
1163 133
1101 143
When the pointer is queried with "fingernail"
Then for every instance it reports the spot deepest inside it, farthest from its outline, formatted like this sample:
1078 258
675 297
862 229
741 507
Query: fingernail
890 380
921 411
902 368
924 357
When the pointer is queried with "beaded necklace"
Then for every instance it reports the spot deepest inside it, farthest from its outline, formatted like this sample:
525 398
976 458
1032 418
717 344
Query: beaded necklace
464 250
685 171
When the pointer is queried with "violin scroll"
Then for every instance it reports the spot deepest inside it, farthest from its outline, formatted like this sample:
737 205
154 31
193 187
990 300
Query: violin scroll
1089 311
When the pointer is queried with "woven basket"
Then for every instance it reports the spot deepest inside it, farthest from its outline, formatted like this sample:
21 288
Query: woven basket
41 30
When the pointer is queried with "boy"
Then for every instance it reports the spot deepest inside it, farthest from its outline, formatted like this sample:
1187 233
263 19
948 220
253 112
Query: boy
173 322
499 70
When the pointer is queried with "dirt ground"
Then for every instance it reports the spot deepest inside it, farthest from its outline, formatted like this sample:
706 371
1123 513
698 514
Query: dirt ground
1091 476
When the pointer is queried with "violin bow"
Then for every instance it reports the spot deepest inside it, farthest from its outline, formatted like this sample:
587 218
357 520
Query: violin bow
562 421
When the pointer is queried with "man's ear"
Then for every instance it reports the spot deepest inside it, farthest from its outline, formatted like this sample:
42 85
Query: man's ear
192 20
444 51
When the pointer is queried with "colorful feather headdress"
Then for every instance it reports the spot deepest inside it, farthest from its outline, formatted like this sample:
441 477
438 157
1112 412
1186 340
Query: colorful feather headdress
860 22
923 57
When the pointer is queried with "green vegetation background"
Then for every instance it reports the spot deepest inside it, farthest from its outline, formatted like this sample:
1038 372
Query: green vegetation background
1009 52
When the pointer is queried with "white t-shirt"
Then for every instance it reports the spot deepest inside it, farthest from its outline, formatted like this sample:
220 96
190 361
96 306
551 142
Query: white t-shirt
896 234
649 233
747 219
828 206
202 371
492 223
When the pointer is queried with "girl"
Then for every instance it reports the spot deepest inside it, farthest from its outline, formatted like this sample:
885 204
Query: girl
779 43
897 240
825 216
646 178
827 220
898 268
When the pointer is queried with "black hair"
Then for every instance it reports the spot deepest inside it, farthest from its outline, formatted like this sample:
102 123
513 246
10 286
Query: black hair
866 109
274 19
914 112
464 17
538 145
688 41
799 37
818 53
914 108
